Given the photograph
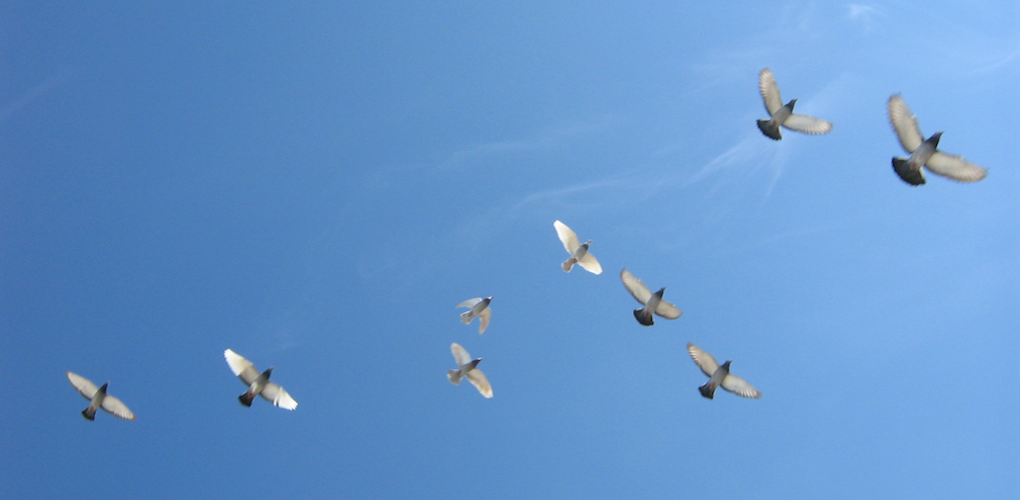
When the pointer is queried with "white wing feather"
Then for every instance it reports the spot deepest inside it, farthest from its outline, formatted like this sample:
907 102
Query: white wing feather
567 237
84 386
483 320
278 396
769 91
905 124
478 379
590 263
955 167
740 387
117 408
470 302
807 124
241 367
704 360
636 288
460 355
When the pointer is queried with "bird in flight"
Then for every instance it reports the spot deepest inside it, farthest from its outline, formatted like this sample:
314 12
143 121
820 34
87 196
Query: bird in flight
98 398
478 307
652 302
719 376
782 115
578 251
923 151
258 383
468 367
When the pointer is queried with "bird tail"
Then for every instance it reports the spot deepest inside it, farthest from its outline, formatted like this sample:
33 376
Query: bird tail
770 129
454 376
466 316
246 398
707 390
644 317
902 168
569 264
89 413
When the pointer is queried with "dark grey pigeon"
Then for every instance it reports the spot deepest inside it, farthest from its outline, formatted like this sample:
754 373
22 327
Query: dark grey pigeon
782 115
923 152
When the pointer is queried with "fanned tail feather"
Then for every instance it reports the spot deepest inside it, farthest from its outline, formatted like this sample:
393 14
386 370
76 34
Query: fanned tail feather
454 376
770 130
902 169
246 398
466 316
644 317
707 390
89 413
569 264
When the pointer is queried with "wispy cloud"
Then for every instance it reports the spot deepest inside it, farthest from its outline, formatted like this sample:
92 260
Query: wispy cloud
546 138
34 93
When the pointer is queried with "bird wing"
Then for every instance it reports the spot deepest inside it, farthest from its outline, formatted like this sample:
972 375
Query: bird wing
567 237
84 386
807 124
769 91
241 367
470 302
955 167
117 408
460 355
477 378
740 387
590 264
483 319
703 359
636 288
667 310
905 124
279 397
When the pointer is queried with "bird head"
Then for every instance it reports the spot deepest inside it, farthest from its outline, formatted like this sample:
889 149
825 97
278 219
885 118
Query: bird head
726 365
268 372
792 103
934 139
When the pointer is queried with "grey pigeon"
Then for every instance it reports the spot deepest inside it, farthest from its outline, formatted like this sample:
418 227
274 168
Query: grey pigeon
98 398
783 114
720 376
578 251
479 307
468 368
652 302
922 151
258 383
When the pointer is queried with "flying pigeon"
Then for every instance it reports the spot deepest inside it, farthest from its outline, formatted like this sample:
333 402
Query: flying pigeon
99 399
468 368
652 302
783 115
258 384
923 152
578 252
479 307
720 376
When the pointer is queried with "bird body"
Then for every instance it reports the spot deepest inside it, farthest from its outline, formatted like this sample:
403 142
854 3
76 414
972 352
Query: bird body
468 368
719 376
924 152
578 251
782 114
478 307
652 302
98 398
258 383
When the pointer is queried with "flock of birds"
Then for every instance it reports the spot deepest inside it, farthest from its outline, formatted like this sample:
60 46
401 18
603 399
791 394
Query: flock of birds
923 155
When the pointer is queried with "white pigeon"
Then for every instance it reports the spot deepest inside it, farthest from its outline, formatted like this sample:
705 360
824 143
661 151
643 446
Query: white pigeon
783 115
468 368
258 383
99 398
578 252
479 307
720 376
652 302
923 152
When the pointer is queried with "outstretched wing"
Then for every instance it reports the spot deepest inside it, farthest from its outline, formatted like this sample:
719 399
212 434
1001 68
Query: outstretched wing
478 379
769 91
117 408
667 310
241 367
567 237
807 124
740 387
955 167
483 319
460 355
590 264
279 397
905 124
84 386
704 360
636 288
470 302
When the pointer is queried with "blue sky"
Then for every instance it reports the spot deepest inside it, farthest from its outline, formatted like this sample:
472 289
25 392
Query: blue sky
317 185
